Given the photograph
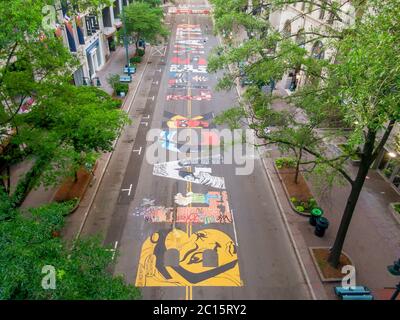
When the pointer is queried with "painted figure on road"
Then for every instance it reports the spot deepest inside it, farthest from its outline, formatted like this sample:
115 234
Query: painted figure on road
180 122
191 266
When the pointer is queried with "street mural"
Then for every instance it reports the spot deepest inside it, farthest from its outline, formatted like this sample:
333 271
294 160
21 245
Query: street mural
174 10
177 77
185 170
201 208
211 207
177 121
169 142
187 68
190 268
195 59
183 50
185 86
203 96
171 256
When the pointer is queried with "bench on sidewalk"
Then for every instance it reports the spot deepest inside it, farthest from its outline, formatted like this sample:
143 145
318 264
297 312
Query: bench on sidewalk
353 293
125 79
358 297
131 70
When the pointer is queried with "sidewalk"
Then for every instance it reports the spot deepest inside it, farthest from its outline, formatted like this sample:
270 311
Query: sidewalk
114 65
373 240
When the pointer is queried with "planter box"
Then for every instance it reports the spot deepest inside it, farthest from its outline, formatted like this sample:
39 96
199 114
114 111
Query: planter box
324 278
393 211
71 189
304 214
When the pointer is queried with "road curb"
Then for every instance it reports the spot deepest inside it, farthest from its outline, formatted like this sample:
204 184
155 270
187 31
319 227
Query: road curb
288 230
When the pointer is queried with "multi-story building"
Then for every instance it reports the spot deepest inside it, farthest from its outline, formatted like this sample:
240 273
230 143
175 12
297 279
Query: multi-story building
297 20
91 36
301 17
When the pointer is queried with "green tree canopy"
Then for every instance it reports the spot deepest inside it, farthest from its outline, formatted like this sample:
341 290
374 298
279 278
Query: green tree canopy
65 126
144 21
31 241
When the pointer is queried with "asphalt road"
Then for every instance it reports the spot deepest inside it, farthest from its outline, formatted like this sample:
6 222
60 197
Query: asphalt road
187 230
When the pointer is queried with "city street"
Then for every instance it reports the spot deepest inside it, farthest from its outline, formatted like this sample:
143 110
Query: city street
190 231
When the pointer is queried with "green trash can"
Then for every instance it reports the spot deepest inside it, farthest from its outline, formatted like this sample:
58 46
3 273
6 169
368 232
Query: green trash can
316 213
321 226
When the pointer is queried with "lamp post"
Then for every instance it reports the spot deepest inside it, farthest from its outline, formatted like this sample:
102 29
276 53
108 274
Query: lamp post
126 44
395 270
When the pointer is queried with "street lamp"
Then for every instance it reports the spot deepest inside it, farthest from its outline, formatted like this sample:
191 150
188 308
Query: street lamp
126 44
395 270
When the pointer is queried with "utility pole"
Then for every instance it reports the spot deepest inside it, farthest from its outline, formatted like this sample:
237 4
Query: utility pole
126 44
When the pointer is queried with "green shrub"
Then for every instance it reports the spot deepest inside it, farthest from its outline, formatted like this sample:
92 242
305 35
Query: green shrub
140 52
121 87
116 103
312 203
113 80
286 162
397 207
305 206
135 59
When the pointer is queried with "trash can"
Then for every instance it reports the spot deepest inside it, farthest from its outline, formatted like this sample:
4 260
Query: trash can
316 213
321 226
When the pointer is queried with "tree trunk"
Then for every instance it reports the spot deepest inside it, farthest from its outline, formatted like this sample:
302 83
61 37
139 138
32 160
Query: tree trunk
296 177
367 158
137 43
8 186
356 188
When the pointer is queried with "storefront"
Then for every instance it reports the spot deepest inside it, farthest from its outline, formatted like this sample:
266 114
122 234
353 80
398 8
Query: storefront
94 59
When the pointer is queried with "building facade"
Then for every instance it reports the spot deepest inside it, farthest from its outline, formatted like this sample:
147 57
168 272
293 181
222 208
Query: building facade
296 20
91 36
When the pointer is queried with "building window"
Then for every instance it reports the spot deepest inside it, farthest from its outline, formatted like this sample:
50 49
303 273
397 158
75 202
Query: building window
301 38
331 18
287 29
322 10
317 51
92 24
310 6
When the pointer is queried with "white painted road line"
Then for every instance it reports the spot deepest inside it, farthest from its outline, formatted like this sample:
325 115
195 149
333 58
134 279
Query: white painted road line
234 229
129 190
139 151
